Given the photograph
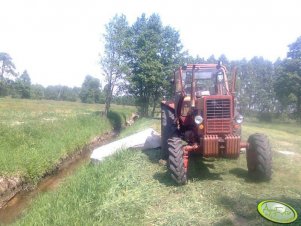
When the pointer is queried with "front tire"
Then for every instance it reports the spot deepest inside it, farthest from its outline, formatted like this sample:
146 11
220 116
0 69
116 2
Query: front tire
168 127
176 160
259 157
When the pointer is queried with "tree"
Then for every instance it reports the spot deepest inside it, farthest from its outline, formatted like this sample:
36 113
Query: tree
256 91
288 82
52 92
56 92
37 92
124 100
23 85
67 94
7 70
90 91
295 49
6 65
113 61
211 60
76 92
154 53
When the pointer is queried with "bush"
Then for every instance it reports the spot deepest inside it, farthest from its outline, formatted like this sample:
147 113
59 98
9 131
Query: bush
265 116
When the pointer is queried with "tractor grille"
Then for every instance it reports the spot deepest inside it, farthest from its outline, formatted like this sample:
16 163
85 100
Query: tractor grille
218 116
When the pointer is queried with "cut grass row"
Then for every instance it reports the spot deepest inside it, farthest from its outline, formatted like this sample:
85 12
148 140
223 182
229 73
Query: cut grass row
133 188
36 135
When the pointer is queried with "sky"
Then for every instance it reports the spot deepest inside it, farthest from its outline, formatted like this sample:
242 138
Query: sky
59 42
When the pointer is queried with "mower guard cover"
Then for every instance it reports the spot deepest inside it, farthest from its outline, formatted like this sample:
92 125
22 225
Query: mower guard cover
146 139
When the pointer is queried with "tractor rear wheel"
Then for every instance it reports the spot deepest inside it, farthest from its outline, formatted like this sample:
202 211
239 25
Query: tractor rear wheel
259 157
168 127
176 160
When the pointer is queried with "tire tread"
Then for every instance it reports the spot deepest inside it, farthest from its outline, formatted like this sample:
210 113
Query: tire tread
261 166
176 161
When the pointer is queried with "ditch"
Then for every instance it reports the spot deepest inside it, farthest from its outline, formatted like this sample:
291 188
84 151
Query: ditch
15 206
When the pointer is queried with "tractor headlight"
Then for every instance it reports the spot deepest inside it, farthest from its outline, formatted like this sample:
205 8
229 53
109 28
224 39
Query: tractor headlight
239 119
198 119
220 77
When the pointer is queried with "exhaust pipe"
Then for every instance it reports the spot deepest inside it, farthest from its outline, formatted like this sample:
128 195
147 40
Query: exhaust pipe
193 88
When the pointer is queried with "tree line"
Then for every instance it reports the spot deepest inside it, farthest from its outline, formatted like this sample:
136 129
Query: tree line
18 85
140 58
138 62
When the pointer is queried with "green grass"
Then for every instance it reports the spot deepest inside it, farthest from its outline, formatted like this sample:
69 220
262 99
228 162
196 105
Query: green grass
133 188
36 135
283 136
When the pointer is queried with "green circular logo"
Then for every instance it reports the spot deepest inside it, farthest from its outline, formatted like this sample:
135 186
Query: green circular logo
278 212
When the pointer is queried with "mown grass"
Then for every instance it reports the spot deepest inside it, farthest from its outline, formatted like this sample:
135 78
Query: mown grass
283 136
134 188
36 135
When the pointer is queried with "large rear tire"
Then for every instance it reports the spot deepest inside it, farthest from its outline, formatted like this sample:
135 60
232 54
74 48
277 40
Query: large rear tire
176 160
259 157
168 128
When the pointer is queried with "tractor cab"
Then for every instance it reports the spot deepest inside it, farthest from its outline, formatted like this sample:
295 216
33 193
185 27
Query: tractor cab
209 77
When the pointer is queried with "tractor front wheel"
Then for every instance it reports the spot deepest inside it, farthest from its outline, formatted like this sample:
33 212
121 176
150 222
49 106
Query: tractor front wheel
176 160
168 127
259 157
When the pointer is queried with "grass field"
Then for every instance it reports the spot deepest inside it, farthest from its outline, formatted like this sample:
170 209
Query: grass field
36 135
134 188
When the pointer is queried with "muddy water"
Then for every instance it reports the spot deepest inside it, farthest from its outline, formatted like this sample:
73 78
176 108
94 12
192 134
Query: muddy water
16 206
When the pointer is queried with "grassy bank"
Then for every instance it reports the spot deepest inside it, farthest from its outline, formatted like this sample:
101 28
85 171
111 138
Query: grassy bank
35 135
134 188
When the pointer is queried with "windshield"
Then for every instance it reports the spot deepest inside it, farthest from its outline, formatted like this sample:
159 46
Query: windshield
204 81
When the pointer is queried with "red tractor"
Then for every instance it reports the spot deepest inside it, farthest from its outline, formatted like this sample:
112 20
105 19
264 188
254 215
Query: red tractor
203 119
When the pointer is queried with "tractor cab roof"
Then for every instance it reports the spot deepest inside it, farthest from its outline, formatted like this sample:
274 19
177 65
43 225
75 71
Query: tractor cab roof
202 66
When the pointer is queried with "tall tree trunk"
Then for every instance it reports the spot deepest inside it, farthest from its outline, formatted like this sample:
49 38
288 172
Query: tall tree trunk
145 109
145 105
154 107
107 107
108 95
108 103
299 108
2 72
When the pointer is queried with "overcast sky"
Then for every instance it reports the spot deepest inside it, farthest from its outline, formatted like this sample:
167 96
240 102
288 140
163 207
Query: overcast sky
59 41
